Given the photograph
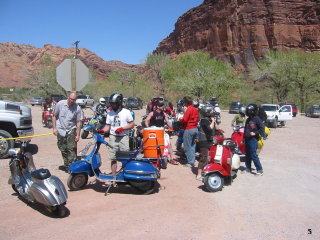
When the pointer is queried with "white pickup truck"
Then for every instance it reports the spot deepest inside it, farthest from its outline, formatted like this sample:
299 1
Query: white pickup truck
85 100
277 115
15 121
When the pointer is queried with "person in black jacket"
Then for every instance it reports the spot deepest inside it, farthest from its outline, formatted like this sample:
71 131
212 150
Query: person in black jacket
253 128
206 140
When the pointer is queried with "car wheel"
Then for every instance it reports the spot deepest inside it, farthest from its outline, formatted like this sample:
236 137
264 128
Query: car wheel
5 145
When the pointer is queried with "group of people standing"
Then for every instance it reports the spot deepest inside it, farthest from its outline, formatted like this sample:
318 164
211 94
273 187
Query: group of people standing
198 124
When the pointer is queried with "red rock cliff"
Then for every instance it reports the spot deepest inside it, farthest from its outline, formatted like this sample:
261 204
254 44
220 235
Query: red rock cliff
241 31
19 61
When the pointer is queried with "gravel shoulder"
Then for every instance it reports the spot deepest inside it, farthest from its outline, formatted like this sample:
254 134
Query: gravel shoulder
282 204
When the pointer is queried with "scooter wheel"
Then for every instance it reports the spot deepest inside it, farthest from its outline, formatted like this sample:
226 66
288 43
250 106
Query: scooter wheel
14 188
213 182
144 187
77 181
84 134
59 211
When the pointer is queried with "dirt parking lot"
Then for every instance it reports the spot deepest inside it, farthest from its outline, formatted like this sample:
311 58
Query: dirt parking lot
282 204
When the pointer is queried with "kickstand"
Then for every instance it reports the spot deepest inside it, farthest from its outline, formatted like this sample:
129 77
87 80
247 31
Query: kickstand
113 183
109 186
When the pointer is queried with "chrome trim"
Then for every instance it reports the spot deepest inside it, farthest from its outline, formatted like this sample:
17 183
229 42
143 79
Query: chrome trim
139 172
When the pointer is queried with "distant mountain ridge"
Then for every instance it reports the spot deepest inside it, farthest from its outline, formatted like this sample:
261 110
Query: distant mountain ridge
242 31
19 61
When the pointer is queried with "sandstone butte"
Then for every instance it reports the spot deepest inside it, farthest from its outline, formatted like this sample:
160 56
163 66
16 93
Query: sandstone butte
237 31
19 61
242 31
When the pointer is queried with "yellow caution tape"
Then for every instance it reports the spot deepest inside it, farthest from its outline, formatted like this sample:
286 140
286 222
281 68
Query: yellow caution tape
4 139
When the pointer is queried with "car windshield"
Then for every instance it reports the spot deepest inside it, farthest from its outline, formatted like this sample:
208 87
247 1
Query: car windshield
269 108
235 104
82 97
132 100
37 98
316 109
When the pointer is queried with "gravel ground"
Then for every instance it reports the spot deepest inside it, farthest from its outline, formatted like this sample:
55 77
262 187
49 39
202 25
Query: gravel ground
282 204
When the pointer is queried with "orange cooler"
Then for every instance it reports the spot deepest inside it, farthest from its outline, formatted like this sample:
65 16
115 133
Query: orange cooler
152 138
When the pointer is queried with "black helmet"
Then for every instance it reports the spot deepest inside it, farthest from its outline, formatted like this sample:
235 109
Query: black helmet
207 110
251 110
116 98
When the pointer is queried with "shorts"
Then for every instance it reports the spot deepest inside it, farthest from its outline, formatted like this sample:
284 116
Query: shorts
119 143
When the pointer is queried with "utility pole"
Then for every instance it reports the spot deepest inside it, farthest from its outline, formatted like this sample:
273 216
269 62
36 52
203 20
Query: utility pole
77 50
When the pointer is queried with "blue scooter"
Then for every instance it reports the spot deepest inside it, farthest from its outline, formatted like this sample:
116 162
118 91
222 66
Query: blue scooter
136 172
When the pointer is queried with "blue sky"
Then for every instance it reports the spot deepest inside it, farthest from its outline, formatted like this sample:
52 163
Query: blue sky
114 30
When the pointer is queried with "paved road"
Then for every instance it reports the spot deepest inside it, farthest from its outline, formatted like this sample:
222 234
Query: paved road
282 204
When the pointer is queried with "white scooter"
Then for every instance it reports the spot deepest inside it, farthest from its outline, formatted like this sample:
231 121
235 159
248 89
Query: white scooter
36 185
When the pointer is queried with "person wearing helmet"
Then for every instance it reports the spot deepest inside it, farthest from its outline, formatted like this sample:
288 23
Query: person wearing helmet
190 121
158 118
206 140
119 122
217 108
253 128
240 118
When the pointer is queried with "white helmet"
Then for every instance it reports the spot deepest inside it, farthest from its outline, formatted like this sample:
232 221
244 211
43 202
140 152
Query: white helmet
102 101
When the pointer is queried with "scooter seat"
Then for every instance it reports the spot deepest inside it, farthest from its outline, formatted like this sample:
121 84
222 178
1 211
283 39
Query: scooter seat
41 174
125 154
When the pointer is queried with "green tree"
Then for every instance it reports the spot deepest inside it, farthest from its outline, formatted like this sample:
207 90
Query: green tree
291 73
156 63
197 74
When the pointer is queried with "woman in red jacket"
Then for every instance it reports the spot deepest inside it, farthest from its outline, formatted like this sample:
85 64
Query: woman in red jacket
190 125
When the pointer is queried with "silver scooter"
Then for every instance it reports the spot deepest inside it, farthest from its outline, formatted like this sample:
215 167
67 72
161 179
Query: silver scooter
36 185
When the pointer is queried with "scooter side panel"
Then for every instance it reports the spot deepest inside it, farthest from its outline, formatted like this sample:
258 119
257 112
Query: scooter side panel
143 169
81 166
45 192
214 167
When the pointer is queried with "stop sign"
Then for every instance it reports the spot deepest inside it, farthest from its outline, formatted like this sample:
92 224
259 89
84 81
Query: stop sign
72 74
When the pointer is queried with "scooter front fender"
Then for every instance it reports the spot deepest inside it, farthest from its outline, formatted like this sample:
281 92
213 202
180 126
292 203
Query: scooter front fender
87 128
214 167
80 167
49 192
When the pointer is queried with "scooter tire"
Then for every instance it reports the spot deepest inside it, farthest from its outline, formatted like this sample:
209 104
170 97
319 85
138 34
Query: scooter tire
213 182
49 124
77 181
59 211
14 188
143 187
84 134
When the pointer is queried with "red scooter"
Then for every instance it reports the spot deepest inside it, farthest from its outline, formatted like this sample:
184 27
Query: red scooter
223 164
238 137
47 115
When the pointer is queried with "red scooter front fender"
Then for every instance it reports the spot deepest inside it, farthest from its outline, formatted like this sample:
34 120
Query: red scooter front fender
214 167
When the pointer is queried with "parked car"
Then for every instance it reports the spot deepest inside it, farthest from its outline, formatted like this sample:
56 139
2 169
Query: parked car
57 97
277 115
36 101
235 107
134 103
294 107
313 111
85 100
15 121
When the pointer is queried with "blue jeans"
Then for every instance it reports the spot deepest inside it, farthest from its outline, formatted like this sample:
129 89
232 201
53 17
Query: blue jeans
189 144
251 154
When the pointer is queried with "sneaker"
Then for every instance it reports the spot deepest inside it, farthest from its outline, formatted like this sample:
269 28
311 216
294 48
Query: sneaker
259 173
199 178
247 170
189 165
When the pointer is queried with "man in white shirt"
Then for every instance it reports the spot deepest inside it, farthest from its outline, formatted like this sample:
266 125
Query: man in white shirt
119 122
